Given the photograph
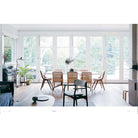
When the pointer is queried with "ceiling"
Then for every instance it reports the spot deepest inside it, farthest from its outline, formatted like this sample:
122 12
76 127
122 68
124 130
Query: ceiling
77 27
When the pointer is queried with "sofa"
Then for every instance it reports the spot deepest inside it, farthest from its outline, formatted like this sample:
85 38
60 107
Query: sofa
6 93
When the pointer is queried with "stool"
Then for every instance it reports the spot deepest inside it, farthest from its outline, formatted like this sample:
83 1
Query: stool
124 94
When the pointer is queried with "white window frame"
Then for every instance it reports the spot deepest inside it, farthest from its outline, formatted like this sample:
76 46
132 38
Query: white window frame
87 35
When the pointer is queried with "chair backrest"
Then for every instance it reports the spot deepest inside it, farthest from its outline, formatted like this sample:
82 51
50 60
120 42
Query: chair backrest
81 83
102 76
42 75
86 76
72 76
57 76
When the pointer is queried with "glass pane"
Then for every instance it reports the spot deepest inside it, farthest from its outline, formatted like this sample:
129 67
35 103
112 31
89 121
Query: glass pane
46 41
63 41
79 44
30 54
126 57
46 56
96 54
79 41
112 58
7 49
62 55
126 74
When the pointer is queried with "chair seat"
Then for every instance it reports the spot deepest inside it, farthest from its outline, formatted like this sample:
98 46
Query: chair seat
71 93
97 79
48 78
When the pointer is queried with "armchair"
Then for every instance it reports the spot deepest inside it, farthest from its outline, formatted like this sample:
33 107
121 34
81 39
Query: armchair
74 94
6 93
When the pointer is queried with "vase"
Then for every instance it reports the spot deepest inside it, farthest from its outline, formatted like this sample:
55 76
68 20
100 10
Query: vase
23 79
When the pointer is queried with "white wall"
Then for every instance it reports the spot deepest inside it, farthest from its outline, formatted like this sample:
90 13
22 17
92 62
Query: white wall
9 30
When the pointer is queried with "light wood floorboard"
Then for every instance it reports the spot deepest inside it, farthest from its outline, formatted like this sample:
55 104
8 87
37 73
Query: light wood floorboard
112 96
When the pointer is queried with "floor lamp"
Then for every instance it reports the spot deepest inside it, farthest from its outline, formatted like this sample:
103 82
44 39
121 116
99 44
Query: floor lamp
68 61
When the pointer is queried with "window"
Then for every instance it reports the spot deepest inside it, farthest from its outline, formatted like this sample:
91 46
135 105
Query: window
62 51
30 53
126 57
112 58
79 51
96 55
99 52
46 54
7 49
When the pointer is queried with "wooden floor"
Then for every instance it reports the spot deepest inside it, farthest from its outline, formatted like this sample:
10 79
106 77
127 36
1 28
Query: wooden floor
112 96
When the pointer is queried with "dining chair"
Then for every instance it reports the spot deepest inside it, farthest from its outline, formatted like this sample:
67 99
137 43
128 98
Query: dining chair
74 94
71 77
57 77
45 79
99 80
87 76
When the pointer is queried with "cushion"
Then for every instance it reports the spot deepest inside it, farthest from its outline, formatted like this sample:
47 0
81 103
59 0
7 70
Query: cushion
4 88
72 93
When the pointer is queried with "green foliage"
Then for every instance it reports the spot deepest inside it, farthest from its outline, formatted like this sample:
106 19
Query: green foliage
80 57
22 71
30 77
7 54
96 54
30 50
7 49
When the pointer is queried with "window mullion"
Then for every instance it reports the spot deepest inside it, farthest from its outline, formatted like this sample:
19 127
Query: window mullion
71 49
88 52
55 52
104 57
38 58
121 74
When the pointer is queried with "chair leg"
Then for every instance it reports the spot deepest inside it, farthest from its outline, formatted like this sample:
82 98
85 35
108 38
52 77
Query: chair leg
103 85
73 102
62 86
63 99
95 84
53 87
125 96
76 103
67 87
90 87
50 84
87 101
42 84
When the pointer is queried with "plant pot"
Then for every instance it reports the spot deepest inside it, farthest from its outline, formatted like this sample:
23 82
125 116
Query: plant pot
23 79
28 82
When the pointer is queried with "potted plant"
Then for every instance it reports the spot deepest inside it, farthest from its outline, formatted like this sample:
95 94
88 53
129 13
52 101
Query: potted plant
22 71
29 79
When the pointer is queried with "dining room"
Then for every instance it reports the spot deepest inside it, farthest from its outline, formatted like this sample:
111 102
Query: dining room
46 57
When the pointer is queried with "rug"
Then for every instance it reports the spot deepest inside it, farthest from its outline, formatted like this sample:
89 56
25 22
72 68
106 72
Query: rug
80 103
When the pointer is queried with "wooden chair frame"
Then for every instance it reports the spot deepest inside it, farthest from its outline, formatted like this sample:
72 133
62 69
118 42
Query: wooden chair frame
45 79
99 80
87 76
57 78
71 77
